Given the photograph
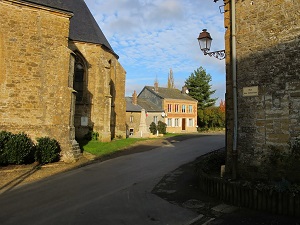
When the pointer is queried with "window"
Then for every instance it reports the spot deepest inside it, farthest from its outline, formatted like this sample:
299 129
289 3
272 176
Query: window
176 122
131 119
155 119
176 108
78 81
169 107
130 132
183 108
191 123
169 122
190 108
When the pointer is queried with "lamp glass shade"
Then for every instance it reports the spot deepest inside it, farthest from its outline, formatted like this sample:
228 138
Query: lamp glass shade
204 40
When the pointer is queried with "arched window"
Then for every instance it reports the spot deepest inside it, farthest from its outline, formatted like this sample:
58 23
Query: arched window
79 79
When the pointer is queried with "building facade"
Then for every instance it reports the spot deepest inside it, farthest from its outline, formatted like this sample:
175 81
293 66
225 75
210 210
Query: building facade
60 77
180 110
140 113
263 82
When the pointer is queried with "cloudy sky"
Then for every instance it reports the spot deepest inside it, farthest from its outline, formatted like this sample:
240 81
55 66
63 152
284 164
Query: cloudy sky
152 36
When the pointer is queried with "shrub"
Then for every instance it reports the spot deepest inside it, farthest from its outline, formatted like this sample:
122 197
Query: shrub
161 127
47 150
91 135
4 137
19 149
153 128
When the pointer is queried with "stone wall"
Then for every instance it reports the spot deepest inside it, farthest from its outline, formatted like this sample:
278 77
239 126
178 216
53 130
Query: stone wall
268 53
103 97
34 60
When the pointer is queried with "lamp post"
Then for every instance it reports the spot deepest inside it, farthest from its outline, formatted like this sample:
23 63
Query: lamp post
205 40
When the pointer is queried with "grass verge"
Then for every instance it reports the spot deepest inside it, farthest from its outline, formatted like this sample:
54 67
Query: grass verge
98 148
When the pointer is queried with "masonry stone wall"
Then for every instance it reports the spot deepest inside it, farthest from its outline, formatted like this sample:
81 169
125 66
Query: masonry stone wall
34 60
268 61
103 99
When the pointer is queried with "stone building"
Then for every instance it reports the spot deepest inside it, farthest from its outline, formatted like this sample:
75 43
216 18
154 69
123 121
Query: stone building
140 113
180 110
59 75
263 82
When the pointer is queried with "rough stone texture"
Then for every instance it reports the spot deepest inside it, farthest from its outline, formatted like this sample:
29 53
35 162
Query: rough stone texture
103 97
34 81
37 69
268 56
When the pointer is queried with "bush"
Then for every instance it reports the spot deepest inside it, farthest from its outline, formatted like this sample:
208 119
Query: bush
19 149
153 128
161 127
4 137
91 135
47 150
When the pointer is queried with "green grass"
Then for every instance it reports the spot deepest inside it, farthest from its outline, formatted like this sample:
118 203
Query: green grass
105 148
98 148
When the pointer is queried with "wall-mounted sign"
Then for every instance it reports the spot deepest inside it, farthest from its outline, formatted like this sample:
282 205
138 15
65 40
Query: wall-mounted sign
250 91
84 121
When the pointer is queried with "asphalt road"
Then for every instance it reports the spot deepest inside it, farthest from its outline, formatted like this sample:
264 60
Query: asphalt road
113 192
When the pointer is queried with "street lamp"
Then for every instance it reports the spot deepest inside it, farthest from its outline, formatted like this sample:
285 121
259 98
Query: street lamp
205 40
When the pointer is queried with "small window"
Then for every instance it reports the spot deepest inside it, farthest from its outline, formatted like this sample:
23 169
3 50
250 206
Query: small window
190 108
131 119
130 132
169 122
169 107
176 122
176 108
183 108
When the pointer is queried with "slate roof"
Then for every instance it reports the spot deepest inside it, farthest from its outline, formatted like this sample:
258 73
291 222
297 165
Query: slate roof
83 26
142 103
169 93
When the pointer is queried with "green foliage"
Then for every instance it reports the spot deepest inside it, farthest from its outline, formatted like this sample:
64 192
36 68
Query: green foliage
153 128
200 89
281 165
4 137
211 117
210 163
19 149
47 150
91 135
161 127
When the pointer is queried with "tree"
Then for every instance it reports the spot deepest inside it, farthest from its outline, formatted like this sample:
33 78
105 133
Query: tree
222 106
153 128
161 127
211 117
171 79
200 89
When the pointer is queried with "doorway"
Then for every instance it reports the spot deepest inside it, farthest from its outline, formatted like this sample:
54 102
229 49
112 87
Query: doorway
183 124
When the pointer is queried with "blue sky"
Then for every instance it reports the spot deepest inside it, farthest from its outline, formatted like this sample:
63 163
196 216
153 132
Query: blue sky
152 36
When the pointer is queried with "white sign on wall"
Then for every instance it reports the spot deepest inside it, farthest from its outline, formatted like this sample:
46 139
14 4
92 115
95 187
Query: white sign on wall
84 121
250 91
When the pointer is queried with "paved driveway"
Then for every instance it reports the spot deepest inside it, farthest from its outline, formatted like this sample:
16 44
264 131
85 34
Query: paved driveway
113 192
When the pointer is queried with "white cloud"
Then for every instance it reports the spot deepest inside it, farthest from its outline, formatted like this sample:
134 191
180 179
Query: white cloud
152 36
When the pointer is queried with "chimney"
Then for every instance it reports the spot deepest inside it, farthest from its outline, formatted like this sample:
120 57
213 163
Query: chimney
184 90
134 98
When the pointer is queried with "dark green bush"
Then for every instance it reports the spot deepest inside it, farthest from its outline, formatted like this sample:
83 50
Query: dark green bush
4 137
19 149
91 135
47 150
153 128
162 127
